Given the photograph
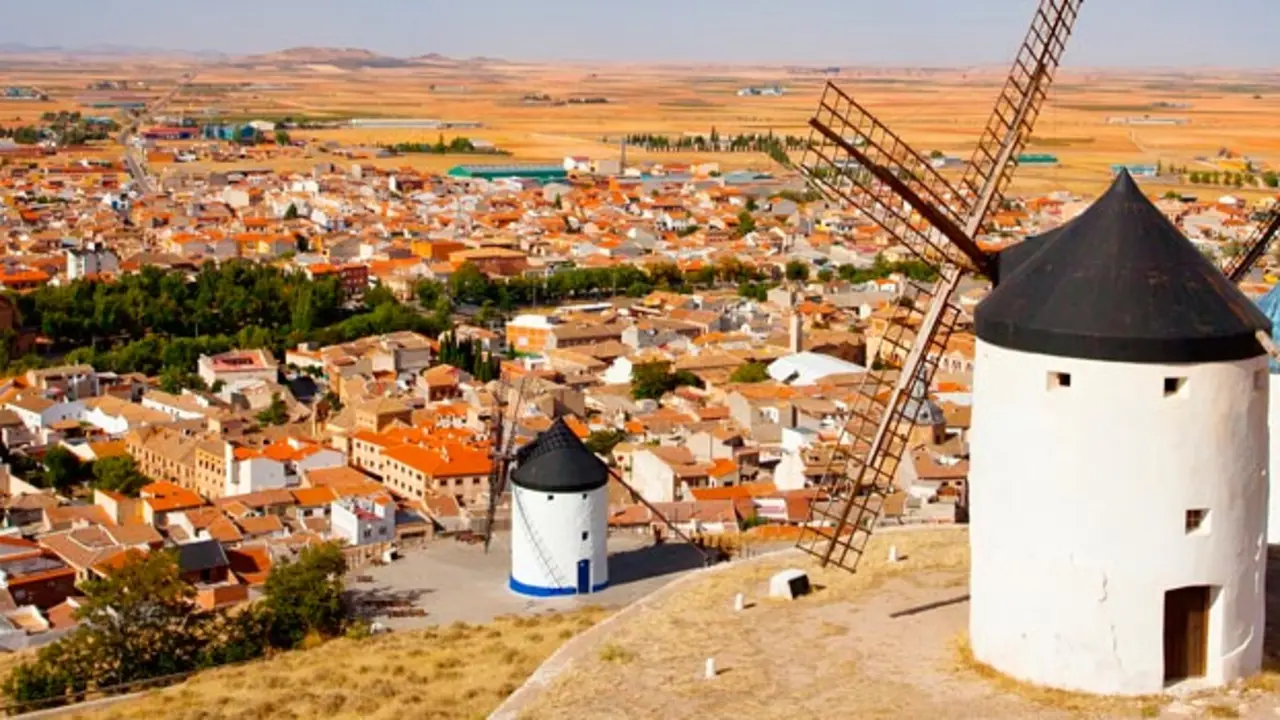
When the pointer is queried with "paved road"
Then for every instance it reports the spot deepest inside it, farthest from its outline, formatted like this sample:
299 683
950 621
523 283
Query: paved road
455 581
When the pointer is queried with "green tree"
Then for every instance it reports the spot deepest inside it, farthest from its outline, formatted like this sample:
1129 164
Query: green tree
26 135
379 295
653 380
62 469
305 597
118 474
797 271
277 413
140 618
602 442
291 213
282 138
173 380
752 372
826 275
1271 179
304 309
746 223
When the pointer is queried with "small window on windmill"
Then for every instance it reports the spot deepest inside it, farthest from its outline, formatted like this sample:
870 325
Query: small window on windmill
1059 380
1174 386
1197 521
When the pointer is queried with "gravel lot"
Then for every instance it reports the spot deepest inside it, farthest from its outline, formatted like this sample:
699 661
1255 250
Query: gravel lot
454 581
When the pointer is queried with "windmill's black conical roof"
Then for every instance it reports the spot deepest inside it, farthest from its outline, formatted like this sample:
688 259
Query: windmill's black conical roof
1120 283
1008 261
557 461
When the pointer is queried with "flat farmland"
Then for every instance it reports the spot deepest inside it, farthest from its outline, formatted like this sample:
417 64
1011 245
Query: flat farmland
940 110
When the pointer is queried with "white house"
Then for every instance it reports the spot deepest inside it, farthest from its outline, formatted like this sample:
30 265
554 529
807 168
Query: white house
577 163
275 466
38 412
363 520
237 367
92 259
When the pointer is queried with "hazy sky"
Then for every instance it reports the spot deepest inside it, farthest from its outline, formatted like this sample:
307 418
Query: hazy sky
866 32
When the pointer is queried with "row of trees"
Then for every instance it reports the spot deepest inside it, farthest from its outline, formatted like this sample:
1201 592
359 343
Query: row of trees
748 142
471 286
468 285
141 622
470 356
1232 179
458 145
158 322
23 134
63 471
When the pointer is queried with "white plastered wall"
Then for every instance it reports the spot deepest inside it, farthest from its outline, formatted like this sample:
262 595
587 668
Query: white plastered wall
1078 520
547 537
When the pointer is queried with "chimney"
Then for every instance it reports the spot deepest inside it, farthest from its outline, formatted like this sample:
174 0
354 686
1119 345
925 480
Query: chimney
797 332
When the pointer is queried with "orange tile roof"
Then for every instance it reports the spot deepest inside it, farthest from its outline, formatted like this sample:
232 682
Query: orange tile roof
314 496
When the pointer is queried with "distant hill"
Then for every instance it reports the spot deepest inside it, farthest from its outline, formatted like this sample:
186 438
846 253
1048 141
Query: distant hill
346 58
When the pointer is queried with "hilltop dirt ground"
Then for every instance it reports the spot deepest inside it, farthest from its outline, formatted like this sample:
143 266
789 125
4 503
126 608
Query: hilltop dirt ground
934 110
888 642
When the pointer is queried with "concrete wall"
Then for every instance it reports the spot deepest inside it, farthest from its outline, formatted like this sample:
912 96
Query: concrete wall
1078 523
256 474
651 477
550 533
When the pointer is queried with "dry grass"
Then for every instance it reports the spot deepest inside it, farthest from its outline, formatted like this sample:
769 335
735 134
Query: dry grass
1043 697
457 671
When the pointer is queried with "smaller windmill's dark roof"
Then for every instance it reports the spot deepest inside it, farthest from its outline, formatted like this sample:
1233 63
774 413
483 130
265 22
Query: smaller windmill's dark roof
201 555
557 461
1120 283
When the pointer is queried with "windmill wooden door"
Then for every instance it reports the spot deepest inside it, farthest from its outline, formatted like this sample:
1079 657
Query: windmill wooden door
1186 633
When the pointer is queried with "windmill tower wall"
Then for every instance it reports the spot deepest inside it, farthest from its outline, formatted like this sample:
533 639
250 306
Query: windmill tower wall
1079 519
1273 422
551 534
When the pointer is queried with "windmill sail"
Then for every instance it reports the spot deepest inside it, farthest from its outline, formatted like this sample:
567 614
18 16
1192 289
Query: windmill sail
856 158
1240 266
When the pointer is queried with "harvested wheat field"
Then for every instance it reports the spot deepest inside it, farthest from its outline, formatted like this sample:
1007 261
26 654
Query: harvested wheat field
1092 119
457 671
888 642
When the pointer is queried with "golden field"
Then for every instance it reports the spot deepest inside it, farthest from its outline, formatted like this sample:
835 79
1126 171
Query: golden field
934 110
